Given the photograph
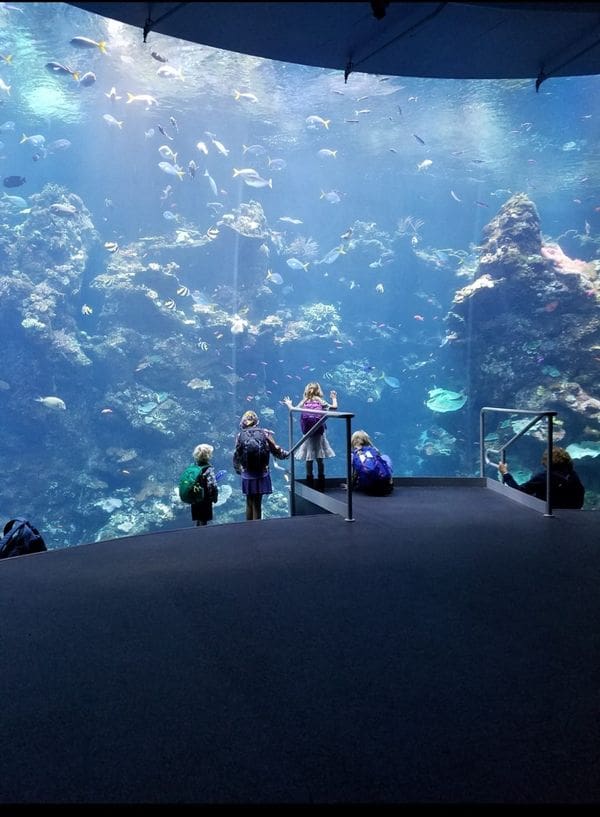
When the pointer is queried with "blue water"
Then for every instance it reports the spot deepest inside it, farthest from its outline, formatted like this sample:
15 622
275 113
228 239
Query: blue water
145 380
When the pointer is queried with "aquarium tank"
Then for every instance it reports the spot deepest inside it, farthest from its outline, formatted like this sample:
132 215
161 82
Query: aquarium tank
187 233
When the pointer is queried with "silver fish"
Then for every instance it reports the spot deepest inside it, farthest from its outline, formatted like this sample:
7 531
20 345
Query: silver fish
52 402
172 170
212 183
258 182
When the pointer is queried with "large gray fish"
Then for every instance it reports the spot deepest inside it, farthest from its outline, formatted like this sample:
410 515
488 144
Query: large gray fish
85 42
59 68
89 78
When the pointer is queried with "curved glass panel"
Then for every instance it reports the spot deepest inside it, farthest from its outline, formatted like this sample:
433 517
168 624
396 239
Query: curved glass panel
188 233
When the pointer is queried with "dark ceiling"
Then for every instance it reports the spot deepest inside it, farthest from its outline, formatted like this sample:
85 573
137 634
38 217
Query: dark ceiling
477 40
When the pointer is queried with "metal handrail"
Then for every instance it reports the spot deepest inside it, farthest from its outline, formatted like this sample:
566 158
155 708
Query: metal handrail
326 414
484 458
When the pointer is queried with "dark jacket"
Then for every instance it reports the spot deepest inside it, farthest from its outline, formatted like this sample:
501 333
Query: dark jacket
567 489
203 511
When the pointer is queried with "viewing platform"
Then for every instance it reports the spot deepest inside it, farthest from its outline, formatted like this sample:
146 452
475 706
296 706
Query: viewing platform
443 647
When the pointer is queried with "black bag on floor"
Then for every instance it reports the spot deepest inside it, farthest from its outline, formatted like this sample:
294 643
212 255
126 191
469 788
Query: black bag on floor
20 537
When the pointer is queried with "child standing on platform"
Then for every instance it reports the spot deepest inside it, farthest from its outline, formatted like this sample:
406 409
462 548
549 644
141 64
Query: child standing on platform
316 447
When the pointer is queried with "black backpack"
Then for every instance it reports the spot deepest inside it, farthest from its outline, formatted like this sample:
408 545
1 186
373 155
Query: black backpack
254 450
20 537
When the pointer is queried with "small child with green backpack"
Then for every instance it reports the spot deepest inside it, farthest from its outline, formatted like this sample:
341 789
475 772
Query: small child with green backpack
198 485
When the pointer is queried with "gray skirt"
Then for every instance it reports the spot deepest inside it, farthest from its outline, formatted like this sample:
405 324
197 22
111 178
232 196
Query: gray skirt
315 447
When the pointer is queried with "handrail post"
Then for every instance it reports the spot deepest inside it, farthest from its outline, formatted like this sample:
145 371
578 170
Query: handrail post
349 517
549 466
292 468
537 416
481 443
294 446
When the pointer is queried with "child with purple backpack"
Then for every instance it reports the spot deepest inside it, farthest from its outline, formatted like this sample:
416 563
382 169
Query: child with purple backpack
316 446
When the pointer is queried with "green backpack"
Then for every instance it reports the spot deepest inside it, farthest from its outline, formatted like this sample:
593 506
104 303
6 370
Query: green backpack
191 488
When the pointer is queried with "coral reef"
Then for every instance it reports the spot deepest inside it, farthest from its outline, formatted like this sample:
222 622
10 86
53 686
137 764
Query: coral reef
316 320
357 379
529 316
306 249
47 253
436 441
248 220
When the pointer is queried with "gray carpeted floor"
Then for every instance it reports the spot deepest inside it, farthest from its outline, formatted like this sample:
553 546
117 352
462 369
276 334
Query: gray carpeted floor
443 648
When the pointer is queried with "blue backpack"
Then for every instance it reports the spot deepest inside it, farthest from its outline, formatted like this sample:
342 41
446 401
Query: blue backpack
20 537
373 470
307 421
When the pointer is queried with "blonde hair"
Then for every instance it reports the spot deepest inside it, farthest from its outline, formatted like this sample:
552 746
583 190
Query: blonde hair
360 438
203 453
312 390
249 419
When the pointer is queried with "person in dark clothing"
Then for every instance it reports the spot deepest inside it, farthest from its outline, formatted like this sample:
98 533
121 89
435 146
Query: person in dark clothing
377 479
567 488
253 447
202 511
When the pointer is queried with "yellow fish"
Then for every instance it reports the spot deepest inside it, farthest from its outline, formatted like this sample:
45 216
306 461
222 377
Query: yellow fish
170 303
86 310
182 290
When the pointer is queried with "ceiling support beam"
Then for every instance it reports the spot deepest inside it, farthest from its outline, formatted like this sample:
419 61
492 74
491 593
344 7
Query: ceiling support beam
150 23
